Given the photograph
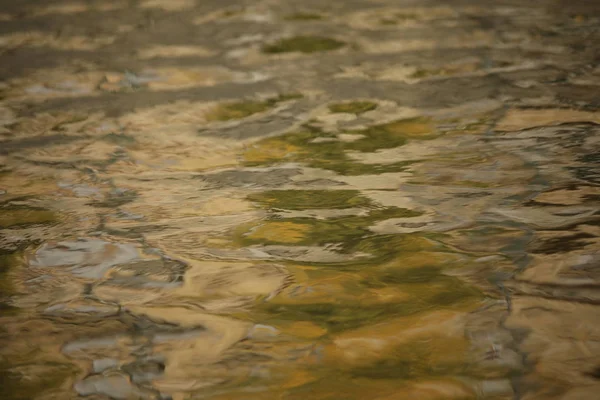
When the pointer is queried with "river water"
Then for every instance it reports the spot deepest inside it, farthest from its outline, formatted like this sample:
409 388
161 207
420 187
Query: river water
278 200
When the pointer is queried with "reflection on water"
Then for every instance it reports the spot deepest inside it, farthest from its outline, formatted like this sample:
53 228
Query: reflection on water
366 200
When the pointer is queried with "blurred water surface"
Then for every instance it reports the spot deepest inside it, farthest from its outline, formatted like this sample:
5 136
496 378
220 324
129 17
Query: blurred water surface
273 200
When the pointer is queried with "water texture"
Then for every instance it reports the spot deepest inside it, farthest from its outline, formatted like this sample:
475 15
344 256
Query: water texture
384 200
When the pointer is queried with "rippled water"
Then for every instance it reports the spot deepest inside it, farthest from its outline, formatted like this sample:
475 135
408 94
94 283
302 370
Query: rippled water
270 200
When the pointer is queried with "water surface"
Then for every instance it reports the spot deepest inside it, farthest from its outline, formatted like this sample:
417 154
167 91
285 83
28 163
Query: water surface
268 200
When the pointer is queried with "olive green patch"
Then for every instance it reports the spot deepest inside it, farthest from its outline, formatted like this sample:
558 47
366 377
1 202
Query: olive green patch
310 199
349 231
396 276
303 44
442 292
384 248
303 16
279 232
8 261
426 357
332 155
246 108
375 138
446 71
393 212
23 217
16 385
237 110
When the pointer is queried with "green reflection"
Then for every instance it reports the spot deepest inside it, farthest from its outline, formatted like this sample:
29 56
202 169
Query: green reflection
8 261
438 293
20 381
304 44
20 217
413 360
310 199
350 232
304 16
303 146
237 110
246 108
397 276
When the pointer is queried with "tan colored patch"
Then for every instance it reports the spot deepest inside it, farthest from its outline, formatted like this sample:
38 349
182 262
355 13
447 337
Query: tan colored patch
304 329
224 205
56 82
411 128
399 73
65 8
396 46
472 39
206 162
73 152
178 114
297 378
433 390
466 67
126 296
178 78
349 138
175 78
221 14
373 342
165 51
234 329
103 5
167 135
563 340
569 261
79 7
23 184
168 5
222 279
517 119
327 288
187 357
568 197
392 17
